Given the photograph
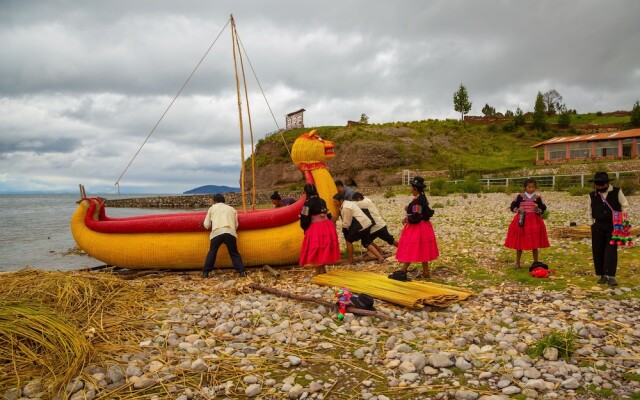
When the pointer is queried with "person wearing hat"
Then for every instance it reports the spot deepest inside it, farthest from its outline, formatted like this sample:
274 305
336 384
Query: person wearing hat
278 201
223 221
320 246
356 226
603 201
417 241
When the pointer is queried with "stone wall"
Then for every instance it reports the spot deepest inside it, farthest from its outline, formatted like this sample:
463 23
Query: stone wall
203 201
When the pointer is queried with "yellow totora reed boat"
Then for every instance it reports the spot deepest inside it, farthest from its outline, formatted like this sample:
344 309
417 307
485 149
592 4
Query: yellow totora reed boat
176 241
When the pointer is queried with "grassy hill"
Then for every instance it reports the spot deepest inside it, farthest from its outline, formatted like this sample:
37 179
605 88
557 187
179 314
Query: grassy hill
376 154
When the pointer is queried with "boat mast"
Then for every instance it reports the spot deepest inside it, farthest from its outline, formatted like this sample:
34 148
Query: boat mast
235 64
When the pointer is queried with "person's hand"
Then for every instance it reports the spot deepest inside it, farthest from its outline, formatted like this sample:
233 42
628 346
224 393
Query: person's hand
535 206
520 208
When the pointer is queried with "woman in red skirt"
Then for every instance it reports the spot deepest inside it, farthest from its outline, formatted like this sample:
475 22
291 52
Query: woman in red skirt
527 230
417 241
320 245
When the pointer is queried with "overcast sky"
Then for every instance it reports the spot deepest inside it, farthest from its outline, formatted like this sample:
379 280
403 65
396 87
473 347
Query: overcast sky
82 83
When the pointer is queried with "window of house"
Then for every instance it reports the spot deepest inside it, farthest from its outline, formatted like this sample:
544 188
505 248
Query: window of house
607 148
627 145
557 151
580 150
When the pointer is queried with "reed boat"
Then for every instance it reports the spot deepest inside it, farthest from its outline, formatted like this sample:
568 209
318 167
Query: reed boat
178 242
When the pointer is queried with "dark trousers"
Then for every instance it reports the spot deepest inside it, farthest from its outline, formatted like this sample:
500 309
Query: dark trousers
605 255
230 241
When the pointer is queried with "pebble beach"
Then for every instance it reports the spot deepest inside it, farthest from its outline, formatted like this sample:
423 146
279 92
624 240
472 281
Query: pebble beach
517 337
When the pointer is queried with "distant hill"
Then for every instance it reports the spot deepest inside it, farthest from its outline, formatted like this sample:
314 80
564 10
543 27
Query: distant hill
212 189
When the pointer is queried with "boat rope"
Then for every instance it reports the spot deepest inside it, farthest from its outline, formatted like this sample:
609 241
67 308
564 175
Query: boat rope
170 104
264 96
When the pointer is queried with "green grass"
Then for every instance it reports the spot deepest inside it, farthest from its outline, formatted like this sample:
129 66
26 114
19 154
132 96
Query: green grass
565 342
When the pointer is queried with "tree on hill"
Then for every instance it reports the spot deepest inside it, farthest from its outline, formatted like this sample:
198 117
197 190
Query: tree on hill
461 102
564 116
518 118
488 111
364 119
552 101
508 113
539 121
635 115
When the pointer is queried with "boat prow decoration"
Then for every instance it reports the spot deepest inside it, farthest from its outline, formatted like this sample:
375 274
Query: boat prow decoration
177 241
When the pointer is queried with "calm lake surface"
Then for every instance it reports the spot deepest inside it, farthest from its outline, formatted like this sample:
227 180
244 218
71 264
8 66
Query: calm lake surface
35 230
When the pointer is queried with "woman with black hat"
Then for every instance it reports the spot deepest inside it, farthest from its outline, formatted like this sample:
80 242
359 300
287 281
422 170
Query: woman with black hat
603 201
417 241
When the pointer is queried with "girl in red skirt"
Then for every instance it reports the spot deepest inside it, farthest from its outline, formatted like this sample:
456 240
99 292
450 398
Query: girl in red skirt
417 241
527 230
320 245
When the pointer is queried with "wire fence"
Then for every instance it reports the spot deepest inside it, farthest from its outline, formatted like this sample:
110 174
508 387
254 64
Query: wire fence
545 181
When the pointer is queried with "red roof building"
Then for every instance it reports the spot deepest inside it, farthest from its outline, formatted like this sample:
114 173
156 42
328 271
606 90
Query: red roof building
598 146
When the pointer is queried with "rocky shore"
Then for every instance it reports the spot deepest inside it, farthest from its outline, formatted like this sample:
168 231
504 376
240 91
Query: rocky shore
518 338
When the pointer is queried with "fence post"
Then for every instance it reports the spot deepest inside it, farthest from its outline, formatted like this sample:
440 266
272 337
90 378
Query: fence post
507 182
553 182
582 180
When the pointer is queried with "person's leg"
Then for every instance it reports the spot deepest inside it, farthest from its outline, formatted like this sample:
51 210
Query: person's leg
610 263
209 262
518 257
535 255
349 252
232 247
404 267
425 270
599 242
320 269
375 252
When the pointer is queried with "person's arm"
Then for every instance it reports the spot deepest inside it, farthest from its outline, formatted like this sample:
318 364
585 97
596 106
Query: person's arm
624 204
541 206
347 216
207 220
237 223
515 204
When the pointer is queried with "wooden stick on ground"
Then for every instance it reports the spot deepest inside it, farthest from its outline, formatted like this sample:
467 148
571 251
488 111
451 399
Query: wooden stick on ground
312 299
275 273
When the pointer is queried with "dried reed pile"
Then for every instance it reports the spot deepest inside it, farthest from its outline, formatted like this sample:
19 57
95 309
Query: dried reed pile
578 232
52 324
409 294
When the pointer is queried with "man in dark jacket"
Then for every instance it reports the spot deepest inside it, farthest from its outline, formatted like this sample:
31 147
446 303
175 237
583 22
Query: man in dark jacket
603 201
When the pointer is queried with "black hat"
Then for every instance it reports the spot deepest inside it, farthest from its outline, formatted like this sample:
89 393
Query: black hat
600 177
363 302
399 276
275 196
538 264
418 182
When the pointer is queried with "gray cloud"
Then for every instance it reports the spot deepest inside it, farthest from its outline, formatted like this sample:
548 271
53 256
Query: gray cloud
83 83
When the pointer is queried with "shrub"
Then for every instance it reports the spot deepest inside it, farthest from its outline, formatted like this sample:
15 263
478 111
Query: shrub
629 186
388 194
437 205
578 190
509 127
471 185
440 187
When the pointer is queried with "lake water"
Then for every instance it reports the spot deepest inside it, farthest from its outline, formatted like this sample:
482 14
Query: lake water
35 231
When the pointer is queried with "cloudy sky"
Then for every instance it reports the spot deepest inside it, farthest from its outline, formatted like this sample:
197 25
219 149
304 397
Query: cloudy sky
82 83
